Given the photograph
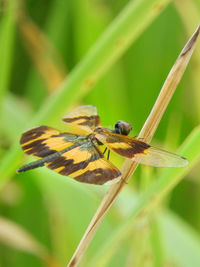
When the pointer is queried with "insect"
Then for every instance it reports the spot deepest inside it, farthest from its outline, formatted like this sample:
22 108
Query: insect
79 156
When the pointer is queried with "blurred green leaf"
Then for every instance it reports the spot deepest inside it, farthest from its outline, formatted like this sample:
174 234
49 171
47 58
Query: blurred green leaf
181 241
70 206
157 243
16 114
7 35
15 236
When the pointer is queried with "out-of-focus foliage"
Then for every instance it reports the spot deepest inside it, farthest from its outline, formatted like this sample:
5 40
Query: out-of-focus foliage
43 45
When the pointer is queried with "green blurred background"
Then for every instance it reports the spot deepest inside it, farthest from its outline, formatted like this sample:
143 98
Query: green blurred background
43 45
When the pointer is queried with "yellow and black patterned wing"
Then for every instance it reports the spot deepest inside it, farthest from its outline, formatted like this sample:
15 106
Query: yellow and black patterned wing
139 151
84 117
85 163
43 141
68 154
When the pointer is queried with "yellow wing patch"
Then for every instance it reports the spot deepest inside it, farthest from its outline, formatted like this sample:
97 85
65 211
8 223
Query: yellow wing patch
123 145
68 154
43 141
139 151
85 163
83 117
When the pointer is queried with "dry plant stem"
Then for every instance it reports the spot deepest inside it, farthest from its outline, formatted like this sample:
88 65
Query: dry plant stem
146 133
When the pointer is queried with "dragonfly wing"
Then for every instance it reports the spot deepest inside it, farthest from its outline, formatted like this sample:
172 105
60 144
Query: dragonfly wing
43 141
86 164
139 151
160 158
68 154
84 117
123 145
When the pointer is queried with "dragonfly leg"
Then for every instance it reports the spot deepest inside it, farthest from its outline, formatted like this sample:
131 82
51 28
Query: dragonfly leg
108 153
105 150
108 156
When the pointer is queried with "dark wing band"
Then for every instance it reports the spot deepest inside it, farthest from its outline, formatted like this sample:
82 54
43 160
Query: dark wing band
43 141
84 117
86 164
139 151
68 154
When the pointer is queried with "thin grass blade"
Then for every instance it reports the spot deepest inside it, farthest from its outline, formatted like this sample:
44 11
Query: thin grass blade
146 133
156 192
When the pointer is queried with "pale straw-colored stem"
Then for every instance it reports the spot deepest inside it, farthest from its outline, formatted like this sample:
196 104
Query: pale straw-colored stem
146 133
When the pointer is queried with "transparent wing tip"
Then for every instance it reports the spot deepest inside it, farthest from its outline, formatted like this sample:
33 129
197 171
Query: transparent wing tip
113 181
183 162
160 158
176 162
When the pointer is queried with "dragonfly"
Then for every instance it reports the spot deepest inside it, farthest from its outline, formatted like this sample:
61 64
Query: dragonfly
79 155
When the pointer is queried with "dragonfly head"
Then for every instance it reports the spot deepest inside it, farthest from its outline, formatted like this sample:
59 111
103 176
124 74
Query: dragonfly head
122 127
